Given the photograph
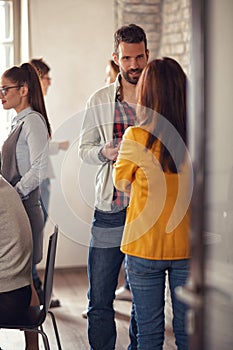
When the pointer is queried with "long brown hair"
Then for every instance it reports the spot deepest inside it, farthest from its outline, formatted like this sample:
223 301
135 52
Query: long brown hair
162 90
26 74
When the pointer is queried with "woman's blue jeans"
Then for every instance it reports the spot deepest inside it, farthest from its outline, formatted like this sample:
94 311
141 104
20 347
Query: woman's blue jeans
104 264
147 283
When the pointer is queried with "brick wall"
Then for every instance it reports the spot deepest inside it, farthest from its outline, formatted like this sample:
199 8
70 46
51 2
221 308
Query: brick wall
146 14
166 23
176 31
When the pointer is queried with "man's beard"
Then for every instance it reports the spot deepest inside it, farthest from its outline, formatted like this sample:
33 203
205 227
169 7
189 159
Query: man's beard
126 75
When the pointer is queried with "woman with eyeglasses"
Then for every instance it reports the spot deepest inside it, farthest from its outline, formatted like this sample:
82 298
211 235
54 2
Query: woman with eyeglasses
25 152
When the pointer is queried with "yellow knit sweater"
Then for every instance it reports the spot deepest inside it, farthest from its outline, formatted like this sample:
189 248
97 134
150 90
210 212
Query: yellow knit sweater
157 221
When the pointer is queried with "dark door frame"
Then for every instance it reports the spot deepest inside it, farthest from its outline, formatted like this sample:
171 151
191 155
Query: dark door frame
197 126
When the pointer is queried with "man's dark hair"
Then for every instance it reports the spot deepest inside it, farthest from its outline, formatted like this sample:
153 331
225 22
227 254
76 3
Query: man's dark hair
131 34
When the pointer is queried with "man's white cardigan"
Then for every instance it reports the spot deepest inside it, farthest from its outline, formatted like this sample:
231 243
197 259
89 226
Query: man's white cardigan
97 129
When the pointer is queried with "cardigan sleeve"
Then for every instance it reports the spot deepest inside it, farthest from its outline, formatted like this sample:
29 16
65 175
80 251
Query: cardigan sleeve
97 126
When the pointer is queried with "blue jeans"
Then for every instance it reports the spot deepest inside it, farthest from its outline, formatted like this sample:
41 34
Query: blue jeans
104 263
147 283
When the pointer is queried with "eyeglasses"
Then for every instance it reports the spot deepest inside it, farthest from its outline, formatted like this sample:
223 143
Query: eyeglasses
5 89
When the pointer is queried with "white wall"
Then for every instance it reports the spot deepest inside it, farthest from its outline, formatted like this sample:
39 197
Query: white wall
75 37
219 177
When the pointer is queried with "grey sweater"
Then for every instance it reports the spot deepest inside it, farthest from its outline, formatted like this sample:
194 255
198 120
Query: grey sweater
16 240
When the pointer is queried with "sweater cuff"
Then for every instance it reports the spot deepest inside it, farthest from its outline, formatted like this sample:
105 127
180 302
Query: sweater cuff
101 157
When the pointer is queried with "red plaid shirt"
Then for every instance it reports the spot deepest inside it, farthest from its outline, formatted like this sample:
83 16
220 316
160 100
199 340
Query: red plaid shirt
124 117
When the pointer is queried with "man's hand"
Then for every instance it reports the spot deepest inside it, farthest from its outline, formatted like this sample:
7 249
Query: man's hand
109 151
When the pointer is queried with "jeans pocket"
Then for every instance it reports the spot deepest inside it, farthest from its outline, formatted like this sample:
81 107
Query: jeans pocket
139 266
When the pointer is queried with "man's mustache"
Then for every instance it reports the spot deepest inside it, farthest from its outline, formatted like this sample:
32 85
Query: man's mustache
137 70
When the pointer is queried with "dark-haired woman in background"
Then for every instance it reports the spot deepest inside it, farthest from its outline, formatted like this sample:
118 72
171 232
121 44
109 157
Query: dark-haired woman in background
25 152
153 168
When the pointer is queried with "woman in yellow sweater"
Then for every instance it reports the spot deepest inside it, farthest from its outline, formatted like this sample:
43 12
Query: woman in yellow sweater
153 166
